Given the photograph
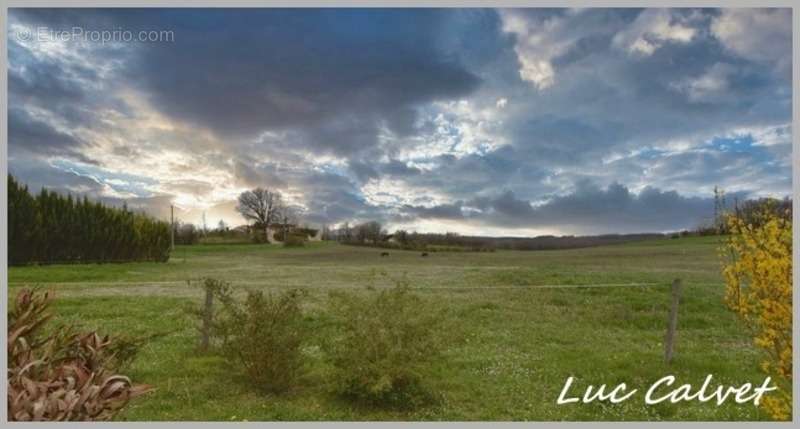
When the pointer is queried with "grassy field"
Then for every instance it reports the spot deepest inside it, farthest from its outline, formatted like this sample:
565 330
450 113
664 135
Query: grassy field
517 336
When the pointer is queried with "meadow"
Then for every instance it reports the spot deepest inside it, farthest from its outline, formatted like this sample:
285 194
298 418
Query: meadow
521 323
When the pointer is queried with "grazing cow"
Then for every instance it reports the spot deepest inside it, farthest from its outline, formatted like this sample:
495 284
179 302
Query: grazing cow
384 254
424 254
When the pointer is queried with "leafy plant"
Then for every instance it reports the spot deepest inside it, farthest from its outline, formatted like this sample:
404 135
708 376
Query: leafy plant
385 344
264 334
63 375
757 266
294 240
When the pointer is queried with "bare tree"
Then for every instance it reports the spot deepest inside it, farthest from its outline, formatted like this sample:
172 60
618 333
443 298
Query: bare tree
360 233
260 206
374 231
286 214
401 236
345 233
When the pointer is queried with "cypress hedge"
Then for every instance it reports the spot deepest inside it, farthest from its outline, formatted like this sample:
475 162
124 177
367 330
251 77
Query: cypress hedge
52 228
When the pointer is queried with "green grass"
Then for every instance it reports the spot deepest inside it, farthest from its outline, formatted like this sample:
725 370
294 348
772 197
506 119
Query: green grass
514 344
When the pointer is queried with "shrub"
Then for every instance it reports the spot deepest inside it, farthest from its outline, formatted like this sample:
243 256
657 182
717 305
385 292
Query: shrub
258 237
63 375
757 266
294 240
206 314
186 233
385 343
264 334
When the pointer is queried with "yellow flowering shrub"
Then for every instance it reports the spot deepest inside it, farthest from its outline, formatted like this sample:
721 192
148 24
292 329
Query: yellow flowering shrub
757 267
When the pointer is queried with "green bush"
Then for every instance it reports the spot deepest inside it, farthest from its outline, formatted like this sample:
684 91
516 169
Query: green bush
383 348
207 314
263 333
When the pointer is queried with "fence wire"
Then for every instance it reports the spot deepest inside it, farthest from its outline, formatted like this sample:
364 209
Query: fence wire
330 285
268 285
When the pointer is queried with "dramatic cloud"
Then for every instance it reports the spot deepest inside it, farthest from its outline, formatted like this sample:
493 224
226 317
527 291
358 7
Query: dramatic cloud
757 35
709 86
37 136
337 78
652 29
587 210
543 36
504 122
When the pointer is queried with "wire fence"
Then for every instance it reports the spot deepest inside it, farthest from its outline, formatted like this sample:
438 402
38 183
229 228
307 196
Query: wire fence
340 286
321 286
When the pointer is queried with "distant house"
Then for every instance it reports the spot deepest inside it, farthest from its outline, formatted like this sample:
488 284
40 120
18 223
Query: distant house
312 234
242 229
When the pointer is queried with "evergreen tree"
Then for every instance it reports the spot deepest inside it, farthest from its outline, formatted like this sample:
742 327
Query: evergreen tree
51 228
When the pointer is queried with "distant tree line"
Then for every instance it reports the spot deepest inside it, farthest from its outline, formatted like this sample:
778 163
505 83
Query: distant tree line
186 233
373 234
189 234
50 228
751 212
551 242
453 241
445 241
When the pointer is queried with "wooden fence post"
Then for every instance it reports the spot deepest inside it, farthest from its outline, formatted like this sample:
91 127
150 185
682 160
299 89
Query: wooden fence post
208 315
672 323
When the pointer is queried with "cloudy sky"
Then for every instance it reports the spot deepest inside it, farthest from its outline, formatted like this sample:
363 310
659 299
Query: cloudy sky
479 121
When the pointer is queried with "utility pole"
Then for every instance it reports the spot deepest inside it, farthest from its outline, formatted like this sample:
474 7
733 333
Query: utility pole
172 227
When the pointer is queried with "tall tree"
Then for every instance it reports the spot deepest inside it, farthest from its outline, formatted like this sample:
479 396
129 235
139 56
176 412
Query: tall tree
286 214
260 206
49 227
